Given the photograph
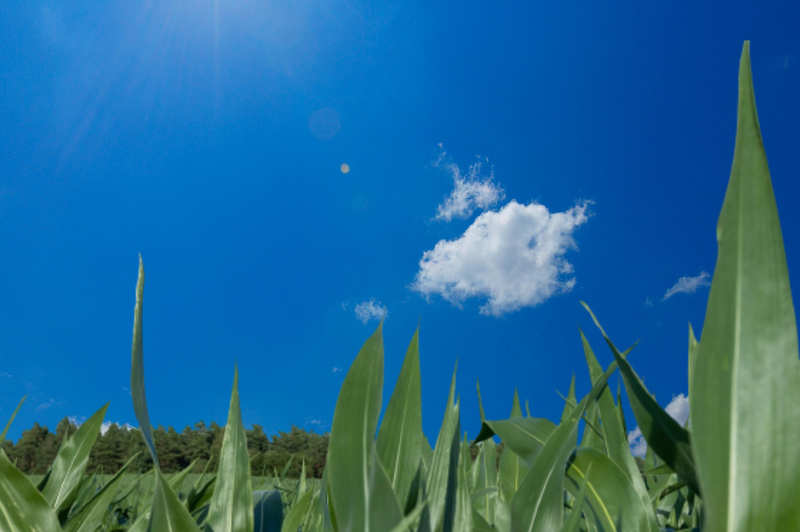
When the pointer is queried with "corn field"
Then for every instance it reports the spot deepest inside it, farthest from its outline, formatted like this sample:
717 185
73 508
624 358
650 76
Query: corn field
732 468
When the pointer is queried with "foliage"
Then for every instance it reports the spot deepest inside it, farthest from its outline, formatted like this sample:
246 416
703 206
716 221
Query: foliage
733 469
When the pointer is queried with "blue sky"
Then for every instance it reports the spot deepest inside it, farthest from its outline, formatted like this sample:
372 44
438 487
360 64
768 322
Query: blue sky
210 137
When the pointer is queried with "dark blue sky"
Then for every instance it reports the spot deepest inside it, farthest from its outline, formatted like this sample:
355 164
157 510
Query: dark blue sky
209 136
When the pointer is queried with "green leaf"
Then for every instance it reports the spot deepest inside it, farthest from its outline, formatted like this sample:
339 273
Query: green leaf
444 464
232 503
744 395
463 516
22 507
486 473
90 516
297 514
168 513
537 505
573 524
361 491
513 468
616 439
268 511
663 434
571 402
71 461
524 435
694 348
400 433
11 420
137 368
611 499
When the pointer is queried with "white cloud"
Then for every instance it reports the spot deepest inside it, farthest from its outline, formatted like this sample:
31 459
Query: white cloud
688 285
648 302
472 191
4 374
370 310
678 409
107 425
514 257
336 370
48 404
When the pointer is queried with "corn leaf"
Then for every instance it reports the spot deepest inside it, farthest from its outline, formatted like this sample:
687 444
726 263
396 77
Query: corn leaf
232 503
400 433
91 514
444 464
525 436
611 499
513 469
538 504
71 461
22 507
745 394
361 491
137 368
168 513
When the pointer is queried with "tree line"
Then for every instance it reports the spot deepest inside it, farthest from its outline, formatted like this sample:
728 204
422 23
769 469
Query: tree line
201 444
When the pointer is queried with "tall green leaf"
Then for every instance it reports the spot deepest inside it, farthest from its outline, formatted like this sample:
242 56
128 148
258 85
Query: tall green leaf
744 395
571 402
232 503
443 469
513 467
71 461
694 348
361 491
400 433
22 507
486 473
616 439
137 368
168 513
11 420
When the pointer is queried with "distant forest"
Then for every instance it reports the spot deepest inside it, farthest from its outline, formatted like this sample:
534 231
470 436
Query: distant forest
37 448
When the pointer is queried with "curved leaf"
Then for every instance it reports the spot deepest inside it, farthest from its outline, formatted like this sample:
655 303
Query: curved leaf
524 435
22 507
71 461
137 368
611 499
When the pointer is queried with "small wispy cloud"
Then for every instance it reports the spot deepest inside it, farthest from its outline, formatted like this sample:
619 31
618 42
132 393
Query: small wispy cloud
108 424
370 310
76 420
688 285
336 370
471 191
4 374
48 404
648 302
678 409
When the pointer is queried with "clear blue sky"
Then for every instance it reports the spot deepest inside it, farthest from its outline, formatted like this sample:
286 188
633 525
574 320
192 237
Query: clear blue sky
209 137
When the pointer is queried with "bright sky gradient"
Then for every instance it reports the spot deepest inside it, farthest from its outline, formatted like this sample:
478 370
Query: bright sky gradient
211 137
